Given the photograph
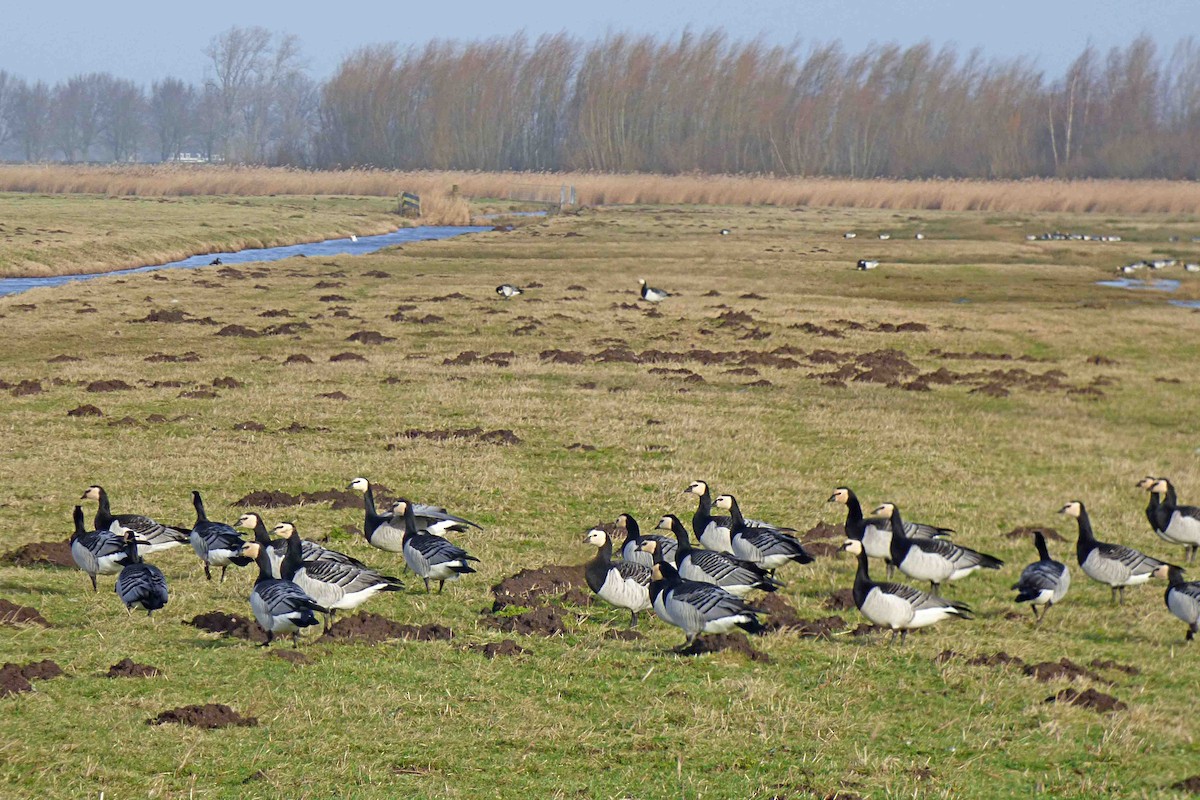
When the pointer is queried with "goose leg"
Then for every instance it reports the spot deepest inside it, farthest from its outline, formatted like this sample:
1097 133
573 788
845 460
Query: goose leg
1122 600
933 587
633 620
1114 594
891 568
426 585
1033 608
903 635
207 572
223 572
94 587
1191 634
441 585
296 640
270 636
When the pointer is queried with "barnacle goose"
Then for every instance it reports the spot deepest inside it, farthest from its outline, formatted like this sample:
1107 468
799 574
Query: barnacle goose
1154 515
867 263
336 586
709 566
624 584
430 557
507 290
1044 582
633 540
696 607
652 295
140 585
97 552
217 544
1115 565
876 532
387 533
277 549
769 548
152 535
895 605
933 560
1182 598
713 532
1182 523
279 606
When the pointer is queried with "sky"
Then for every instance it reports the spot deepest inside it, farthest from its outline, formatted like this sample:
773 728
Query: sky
146 41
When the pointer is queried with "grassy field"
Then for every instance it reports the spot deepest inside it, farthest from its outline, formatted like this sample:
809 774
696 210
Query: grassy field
1041 387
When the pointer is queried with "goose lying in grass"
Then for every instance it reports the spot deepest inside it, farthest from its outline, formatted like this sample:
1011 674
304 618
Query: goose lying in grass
97 552
1044 582
431 557
624 584
217 544
152 535
140 585
1114 565
650 294
708 566
279 606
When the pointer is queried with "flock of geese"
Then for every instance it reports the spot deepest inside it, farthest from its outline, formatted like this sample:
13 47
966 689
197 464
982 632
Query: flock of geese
699 589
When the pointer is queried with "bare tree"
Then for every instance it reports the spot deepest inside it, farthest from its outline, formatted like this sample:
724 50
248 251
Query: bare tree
171 115
31 119
122 107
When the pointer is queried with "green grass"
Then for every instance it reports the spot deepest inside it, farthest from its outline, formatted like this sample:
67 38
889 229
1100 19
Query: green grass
581 715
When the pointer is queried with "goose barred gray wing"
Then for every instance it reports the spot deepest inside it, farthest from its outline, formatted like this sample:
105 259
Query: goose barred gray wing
142 586
768 547
1120 562
736 577
631 571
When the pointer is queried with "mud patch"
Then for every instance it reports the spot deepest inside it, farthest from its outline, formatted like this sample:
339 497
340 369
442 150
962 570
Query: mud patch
1191 784
126 668
998 659
1128 669
1089 698
165 358
368 628
26 388
108 386
533 587
208 716
16 679
334 396
823 530
229 625
239 330
85 410
62 358
346 357
1027 531
505 647
542 621
297 358
227 383
1064 669
41 554
725 643
369 337
339 500
293 657
250 425
840 600
500 436
13 614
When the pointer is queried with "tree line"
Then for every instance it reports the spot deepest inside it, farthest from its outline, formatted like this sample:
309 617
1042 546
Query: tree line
625 103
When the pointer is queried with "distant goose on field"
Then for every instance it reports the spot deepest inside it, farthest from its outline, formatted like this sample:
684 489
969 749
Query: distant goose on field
713 531
709 566
895 605
1128 269
431 557
725 231
919 236
100 552
695 607
507 290
216 262
1114 565
152 535
933 560
277 548
766 547
867 263
624 584
140 585
849 235
335 585
1191 267
652 295
885 236
630 548
1183 598
217 544
1182 523
279 606
353 238
387 533
876 532
1044 582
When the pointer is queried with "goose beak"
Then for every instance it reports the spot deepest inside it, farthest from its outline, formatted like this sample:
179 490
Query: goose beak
832 498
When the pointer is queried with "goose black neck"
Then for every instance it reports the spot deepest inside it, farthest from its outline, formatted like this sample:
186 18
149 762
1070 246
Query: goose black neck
131 550
703 512
862 580
293 559
1169 501
900 542
77 517
373 518
854 516
681 535
735 514
198 504
669 573
410 521
260 532
264 565
604 551
1174 576
1087 540
104 516
1039 541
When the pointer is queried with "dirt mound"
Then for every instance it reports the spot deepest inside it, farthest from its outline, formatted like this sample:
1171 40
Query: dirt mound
228 625
239 330
165 315
27 387
210 715
500 436
998 659
297 358
339 500
1054 670
85 410
504 647
374 628
725 642
294 657
622 634
1191 784
342 396
13 614
346 357
199 394
108 386
532 587
841 600
1128 669
250 425
125 668
41 554
227 383
1027 531
369 337
543 621
1089 698
15 679
823 549
62 358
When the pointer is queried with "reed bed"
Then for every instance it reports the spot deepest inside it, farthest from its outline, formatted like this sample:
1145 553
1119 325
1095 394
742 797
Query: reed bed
437 189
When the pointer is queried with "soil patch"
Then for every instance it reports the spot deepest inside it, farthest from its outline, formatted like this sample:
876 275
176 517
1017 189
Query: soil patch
250 425
41 554
1128 669
62 358
126 668
208 716
505 647
227 383
297 358
334 396
1089 698
374 628
1027 531
500 436
339 500
725 642
346 357
229 625
13 614
108 386
294 657
27 387
1191 784
85 410
1054 670
369 337
239 330
533 587
543 621
840 600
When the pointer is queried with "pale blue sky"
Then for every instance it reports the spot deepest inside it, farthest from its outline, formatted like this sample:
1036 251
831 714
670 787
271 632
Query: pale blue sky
146 41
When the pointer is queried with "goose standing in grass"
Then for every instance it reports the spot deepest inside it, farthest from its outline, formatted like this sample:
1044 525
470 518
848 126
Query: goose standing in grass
766 547
650 294
630 548
140 585
1182 523
1114 565
713 532
386 532
336 586
277 548
1044 582
279 606
895 605
696 607
624 584
97 552
507 290
933 560
152 535
217 544
1182 597
709 566
876 532
431 557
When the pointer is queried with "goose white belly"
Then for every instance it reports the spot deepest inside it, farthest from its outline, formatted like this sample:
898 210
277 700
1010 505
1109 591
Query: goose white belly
716 537
923 566
886 609
1111 572
877 543
1182 529
624 592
